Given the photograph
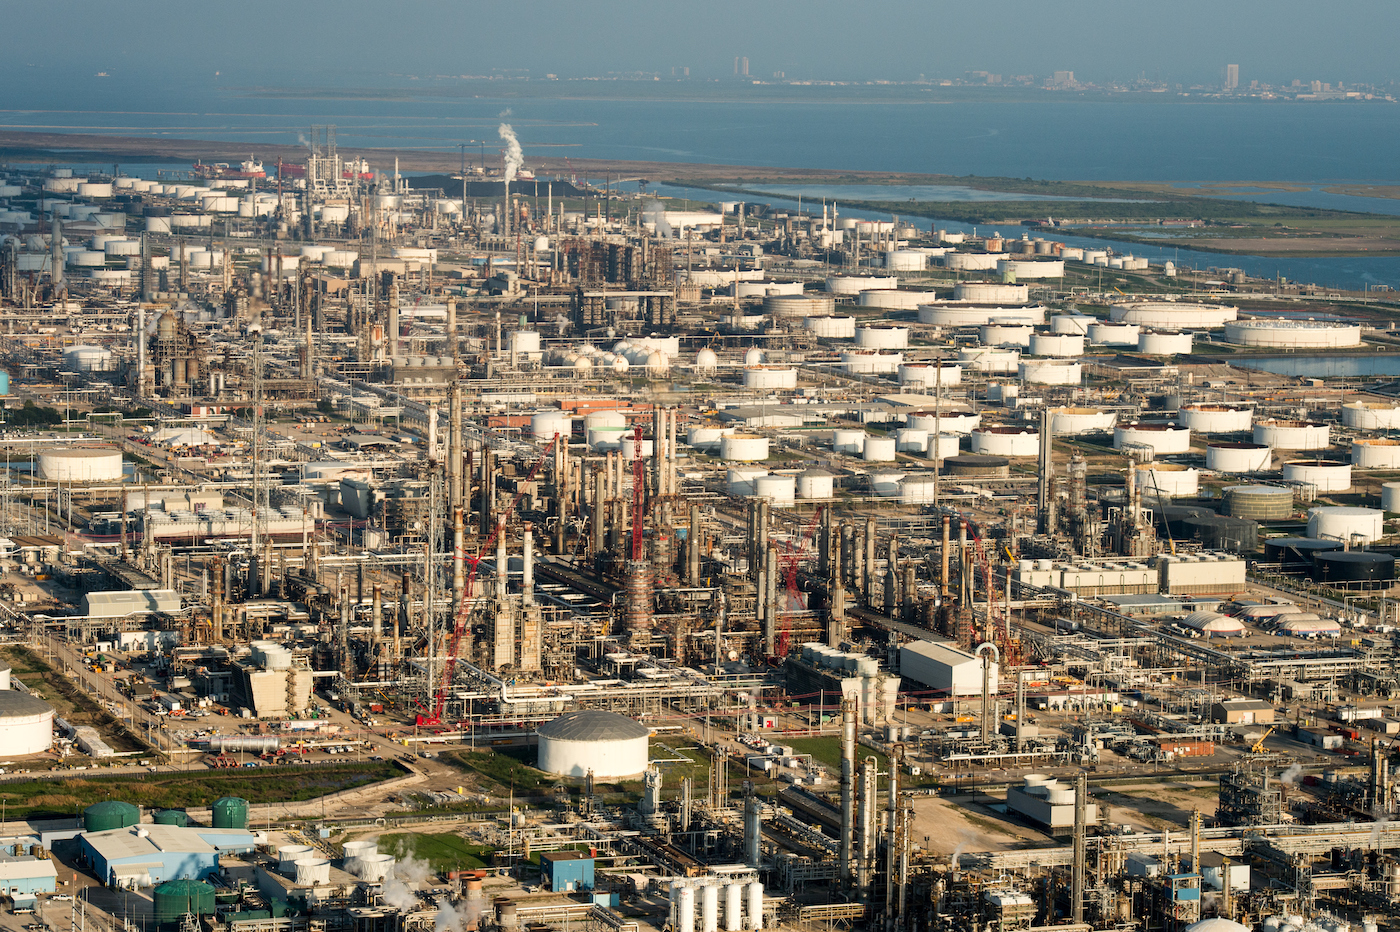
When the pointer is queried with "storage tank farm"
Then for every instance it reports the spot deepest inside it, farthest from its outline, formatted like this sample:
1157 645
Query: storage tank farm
712 557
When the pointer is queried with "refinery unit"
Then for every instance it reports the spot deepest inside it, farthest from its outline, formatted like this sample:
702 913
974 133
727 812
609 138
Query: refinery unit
870 523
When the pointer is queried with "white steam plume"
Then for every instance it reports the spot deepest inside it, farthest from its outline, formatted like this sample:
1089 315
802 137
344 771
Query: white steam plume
653 212
515 158
301 138
398 889
448 919
1292 774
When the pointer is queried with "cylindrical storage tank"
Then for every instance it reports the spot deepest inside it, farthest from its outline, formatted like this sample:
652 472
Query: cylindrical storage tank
1219 532
604 419
172 817
1006 441
1259 502
885 484
975 315
1164 343
340 258
928 375
1370 415
1011 334
990 359
855 284
545 424
631 451
879 449
1217 418
1171 480
288 855
1031 268
943 446
110 814
523 341
81 464
1293 334
743 448
1071 324
1162 438
26 726
733 906
1292 435
1346 524
770 377
612 746
970 261
950 422
375 868
831 326
86 258
848 441
991 293
1071 422
173 900
1356 568
905 260
781 489
755 908
977 465
1294 555
1173 315
157 224
791 306
1114 334
917 490
871 362
882 336
1390 496
685 910
1050 371
1238 457
94 189
709 908
743 481
892 300
313 871
230 812
352 852
911 440
816 485
1322 475
1375 453
1063 345
706 438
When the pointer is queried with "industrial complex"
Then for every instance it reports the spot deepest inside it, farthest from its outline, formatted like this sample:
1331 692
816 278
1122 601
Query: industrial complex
687 566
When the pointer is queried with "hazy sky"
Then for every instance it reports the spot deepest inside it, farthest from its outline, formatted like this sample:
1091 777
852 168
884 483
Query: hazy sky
349 41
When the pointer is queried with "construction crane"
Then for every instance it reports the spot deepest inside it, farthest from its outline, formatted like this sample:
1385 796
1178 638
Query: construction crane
998 626
464 610
1258 746
792 553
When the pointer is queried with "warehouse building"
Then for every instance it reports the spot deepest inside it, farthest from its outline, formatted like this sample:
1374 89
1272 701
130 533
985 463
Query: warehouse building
1242 712
944 668
140 855
566 871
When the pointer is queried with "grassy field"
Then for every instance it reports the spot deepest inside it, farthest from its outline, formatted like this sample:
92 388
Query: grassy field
827 750
444 852
196 789
68 701
504 769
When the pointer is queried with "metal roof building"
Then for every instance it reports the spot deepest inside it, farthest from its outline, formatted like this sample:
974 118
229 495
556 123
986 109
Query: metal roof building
125 603
141 855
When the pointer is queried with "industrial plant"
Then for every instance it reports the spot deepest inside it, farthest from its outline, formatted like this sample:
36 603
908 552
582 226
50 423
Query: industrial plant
691 566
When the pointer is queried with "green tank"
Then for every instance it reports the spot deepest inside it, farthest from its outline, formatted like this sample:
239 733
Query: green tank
231 812
173 817
110 814
175 898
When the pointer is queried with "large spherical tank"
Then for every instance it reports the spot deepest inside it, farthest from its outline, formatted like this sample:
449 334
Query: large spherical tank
1114 334
1370 415
879 449
781 489
991 293
1071 324
1322 475
1171 480
604 419
545 424
1071 422
174 899
997 334
770 377
1050 371
1238 457
26 724
1006 441
230 812
1292 435
990 359
172 817
1295 554
816 484
1339 567
1346 523
1375 453
1259 502
612 746
1217 418
871 363
975 315
1173 315
707 361
1219 532
1293 334
81 464
970 261
743 448
1164 343
753 357
1064 345
110 814
847 440
1162 438
977 465
949 422
789 306
855 284
831 326
882 336
892 300
1390 496
929 375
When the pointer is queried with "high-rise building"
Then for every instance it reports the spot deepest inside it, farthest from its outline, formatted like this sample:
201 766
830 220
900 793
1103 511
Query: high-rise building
1232 77
746 66
1063 78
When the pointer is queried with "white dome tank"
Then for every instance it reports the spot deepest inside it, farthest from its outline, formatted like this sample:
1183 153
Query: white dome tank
657 363
1346 524
607 418
545 424
911 440
706 361
819 485
754 356
848 441
609 745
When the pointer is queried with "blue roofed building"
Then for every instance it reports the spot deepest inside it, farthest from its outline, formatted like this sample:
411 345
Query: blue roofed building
146 854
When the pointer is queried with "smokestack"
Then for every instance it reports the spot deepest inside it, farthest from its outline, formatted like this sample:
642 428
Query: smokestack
692 559
147 285
376 614
1081 812
56 256
459 584
870 534
527 573
501 567
1045 505
308 365
140 337
454 444
848 784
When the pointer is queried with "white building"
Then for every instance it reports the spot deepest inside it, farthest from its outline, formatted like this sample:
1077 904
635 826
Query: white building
944 668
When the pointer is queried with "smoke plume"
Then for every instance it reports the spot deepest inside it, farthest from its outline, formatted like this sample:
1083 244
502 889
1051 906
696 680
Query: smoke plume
301 138
398 887
653 212
515 158
1292 775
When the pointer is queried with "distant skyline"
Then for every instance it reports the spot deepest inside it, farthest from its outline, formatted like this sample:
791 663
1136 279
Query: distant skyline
350 43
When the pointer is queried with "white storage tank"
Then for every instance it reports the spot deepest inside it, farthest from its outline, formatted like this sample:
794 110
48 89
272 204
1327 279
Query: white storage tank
1073 324
1162 438
816 485
1173 315
740 481
950 314
1322 475
1031 268
1171 480
879 449
632 450
1063 345
523 342
770 377
1238 457
1106 334
794 306
847 440
1293 435
855 284
313 872
882 336
892 300
917 490
1000 440
970 261
1164 343
1050 371
950 422
992 360
831 326
1071 422
545 424
81 464
1207 418
1008 334
1375 453
1371 415
706 361
26 723
1293 334
991 293
288 855
1346 524
608 745
744 448
871 363
928 375
781 489
706 438
605 439
606 418
1390 497
905 260
945 446
911 440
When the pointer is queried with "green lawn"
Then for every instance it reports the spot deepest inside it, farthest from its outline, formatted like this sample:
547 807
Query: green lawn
505 769
827 750
444 852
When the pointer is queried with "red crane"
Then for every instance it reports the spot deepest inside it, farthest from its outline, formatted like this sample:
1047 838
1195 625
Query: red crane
638 491
465 609
792 553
